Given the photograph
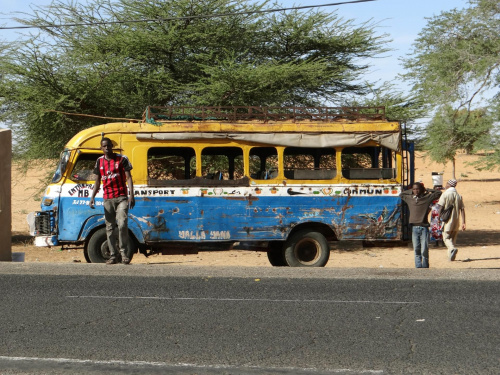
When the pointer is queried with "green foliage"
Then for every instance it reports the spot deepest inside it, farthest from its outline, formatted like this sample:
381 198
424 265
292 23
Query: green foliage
455 64
406 108
451 130
116 70
457 55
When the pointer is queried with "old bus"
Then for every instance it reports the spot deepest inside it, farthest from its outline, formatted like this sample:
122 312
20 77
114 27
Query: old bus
282 180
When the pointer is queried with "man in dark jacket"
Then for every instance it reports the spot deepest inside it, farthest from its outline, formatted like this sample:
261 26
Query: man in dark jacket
418 200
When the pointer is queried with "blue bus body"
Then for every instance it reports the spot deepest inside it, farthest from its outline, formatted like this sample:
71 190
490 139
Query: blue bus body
235 214
280 192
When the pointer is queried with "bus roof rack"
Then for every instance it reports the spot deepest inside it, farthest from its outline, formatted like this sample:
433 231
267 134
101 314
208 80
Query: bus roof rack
157 115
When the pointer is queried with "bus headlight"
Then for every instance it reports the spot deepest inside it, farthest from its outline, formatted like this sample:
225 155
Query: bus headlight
48 201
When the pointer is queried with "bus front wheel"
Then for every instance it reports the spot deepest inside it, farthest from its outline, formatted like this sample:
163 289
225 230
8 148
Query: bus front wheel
307 249
98 250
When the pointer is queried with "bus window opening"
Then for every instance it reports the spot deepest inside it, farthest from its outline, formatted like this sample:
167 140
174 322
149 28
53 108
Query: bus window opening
84 168
368 163
310 163
263 163
222 163
171 164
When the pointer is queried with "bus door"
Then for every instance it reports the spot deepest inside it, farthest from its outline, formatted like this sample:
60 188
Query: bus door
74 210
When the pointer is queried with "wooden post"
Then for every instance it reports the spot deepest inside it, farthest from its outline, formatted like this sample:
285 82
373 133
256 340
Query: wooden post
5 195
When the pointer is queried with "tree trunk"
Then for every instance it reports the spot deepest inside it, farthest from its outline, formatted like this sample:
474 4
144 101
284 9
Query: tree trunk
453 168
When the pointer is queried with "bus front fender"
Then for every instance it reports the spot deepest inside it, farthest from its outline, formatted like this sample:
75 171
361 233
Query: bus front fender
97 221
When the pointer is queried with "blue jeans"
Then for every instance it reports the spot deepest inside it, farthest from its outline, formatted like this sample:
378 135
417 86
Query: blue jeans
420 239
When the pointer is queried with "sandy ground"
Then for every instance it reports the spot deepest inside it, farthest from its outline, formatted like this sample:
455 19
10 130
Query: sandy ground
479 245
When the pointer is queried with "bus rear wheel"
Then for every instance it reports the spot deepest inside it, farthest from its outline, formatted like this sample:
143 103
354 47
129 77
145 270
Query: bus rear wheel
275 254
98 250
307 249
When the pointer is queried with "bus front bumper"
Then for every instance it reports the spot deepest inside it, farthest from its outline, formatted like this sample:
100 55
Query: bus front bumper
46 241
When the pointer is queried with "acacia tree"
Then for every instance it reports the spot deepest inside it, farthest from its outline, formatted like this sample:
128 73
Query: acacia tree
407 108
454 63
177 57
451 131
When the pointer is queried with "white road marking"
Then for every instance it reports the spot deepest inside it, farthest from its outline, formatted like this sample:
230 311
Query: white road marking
244 299
183 365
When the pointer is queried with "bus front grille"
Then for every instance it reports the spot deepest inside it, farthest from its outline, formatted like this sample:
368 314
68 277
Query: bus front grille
44 223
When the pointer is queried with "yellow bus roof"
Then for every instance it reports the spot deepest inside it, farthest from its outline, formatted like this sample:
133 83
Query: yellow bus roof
111 129
246 120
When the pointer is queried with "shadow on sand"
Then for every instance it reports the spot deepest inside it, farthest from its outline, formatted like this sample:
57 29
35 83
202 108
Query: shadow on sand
21 239
481 180
476 260
478 238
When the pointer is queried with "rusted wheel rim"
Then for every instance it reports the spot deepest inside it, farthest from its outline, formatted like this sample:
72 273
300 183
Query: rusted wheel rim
105 250
307 251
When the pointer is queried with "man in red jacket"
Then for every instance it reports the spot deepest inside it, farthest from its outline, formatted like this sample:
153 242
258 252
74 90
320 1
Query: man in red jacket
114 172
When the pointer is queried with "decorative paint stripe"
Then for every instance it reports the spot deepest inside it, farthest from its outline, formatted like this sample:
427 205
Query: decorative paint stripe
85 191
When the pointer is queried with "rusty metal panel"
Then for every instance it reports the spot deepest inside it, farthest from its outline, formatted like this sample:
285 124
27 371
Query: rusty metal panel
251 213
266 213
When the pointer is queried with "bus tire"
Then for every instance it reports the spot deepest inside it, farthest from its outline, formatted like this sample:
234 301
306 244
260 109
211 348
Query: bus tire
307 249
97 248
276 255
86 255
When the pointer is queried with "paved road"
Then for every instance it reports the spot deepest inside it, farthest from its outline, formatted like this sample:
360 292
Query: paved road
139 319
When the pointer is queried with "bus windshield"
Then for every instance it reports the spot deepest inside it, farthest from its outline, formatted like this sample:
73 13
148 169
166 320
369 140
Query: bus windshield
61 167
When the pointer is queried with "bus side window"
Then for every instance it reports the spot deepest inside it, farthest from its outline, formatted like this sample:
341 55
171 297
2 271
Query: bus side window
222 163
170 164
368 163
84 168
308 163
263 163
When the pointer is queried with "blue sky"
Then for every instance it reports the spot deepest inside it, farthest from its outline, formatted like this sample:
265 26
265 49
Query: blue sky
401 19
